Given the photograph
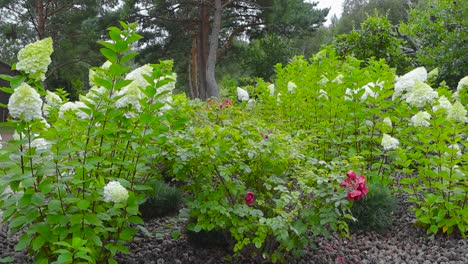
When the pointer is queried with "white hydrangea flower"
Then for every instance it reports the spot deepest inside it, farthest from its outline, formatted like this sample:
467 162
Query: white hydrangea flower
421 94
94 94
17 136
406 82
369 90
444 103
421 119
53 99
323 94
251 103
40 144
462 83
35 58
278 99
93 74
73 107
242 95
323 81
68 106
25 103
291 87
138 74
169 87
455 149
387 121
432 75
271 87
338 79
115 192
130 96
457 113
349 94
389 143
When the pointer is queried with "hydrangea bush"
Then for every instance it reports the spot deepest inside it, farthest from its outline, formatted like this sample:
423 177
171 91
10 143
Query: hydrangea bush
75 179
398 126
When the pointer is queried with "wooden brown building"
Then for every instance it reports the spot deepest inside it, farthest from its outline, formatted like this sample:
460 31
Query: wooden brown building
4 69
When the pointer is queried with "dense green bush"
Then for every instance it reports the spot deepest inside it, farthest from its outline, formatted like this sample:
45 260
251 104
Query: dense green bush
252 181
438 29
161 200
375 211
376 39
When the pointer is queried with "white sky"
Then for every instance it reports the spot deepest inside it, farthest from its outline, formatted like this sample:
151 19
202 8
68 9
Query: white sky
336 7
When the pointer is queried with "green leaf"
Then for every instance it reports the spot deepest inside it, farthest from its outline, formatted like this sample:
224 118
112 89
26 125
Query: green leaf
109 54
108 45
115 33
37 243
83 204
7 260
23 242
128 57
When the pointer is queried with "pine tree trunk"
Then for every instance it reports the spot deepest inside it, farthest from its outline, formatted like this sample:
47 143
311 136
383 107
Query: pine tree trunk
41 19
212 86
202 48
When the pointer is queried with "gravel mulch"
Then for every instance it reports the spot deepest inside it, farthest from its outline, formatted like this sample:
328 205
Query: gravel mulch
159 242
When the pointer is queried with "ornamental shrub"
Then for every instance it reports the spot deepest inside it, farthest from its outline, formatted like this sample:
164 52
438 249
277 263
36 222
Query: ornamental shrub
339 109
375 211
76 172
251 181
161 200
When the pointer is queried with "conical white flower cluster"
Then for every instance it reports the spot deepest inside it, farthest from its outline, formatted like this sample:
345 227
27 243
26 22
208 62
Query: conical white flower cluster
25 103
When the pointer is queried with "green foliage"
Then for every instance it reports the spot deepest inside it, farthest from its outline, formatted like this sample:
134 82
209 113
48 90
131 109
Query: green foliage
348 117
226 153
292 17
356 11
161 200
73 182
375 211
262 54
375 39
438 154
438 28
74 29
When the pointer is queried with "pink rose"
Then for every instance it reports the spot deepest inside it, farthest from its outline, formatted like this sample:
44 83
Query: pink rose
249 198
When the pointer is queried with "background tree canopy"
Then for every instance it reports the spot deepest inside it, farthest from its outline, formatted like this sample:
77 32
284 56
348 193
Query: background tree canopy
219 43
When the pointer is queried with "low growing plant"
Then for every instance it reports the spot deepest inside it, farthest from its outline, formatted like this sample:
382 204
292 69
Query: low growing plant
375 211
161 200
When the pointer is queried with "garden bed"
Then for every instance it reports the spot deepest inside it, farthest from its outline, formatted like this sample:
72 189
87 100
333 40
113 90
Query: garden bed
403 243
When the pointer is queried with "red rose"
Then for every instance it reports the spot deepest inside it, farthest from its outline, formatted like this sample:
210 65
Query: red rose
354 195
364 190
361 180
249 198
225 104
351 174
